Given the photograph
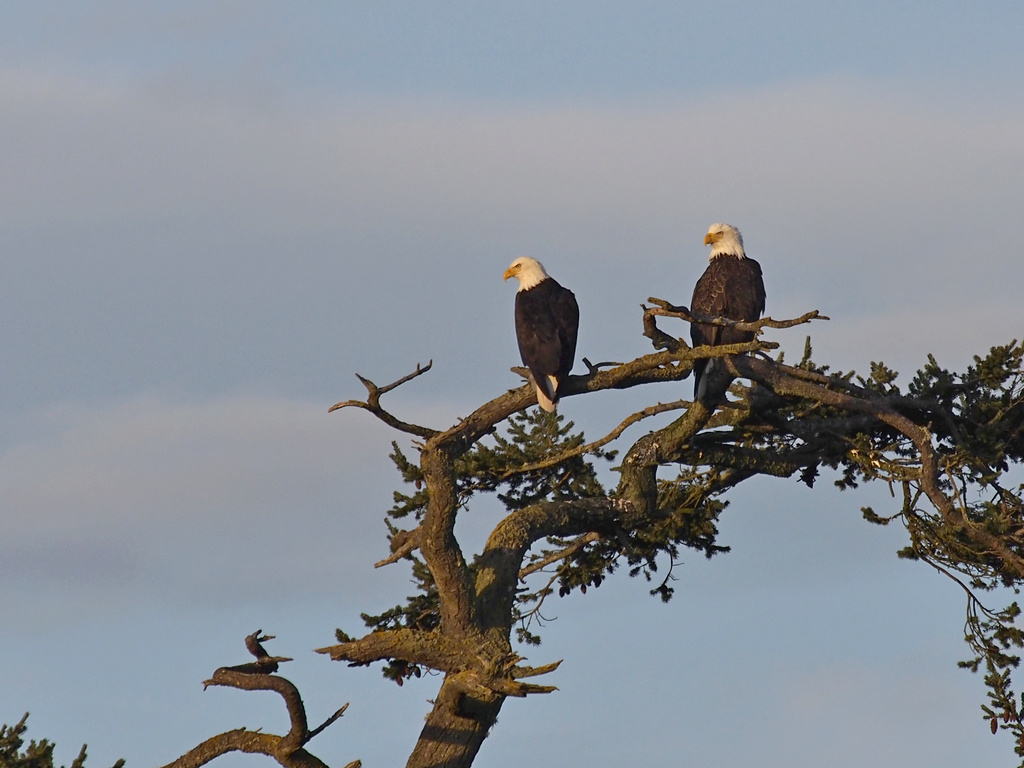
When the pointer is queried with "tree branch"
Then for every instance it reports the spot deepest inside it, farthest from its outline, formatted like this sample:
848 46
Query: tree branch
773 375
429 649
437 542
402 543
787 419
328 722
662 340
499 564
288 749
665 309
581 450
562 554
372 403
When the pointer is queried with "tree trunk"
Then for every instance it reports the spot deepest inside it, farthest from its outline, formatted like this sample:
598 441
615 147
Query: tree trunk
455 727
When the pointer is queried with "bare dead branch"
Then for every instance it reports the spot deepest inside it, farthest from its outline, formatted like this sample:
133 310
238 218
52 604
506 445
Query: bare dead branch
249 681
239 740
665 309
388 387
677 310
503 683
658 337
681 351
508 687
595 367
253 644
519 672
429 649
256 676
402 543
464 661
326 723
372 403
265 663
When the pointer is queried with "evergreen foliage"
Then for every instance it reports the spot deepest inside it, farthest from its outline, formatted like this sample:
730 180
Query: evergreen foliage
535 460
38 754
976 422
949 445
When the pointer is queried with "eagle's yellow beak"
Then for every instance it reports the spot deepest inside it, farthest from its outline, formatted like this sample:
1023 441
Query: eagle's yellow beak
511 272
712 237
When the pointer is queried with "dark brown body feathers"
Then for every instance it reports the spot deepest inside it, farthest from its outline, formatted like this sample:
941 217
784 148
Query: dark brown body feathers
547 322
731 287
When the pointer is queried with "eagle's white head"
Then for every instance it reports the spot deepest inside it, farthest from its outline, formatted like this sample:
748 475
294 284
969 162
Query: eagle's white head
725 240
529 272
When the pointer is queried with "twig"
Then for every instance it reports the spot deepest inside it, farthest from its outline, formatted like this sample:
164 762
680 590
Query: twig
402 543
562 554
372 403
520 672
256 676
665 309
388 387
595 367
320 728
581 450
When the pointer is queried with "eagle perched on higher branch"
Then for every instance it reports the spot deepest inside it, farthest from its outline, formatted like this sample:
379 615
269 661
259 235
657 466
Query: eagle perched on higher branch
730 287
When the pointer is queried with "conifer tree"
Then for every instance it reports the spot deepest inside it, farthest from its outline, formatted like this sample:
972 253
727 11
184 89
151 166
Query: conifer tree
948 444
38 754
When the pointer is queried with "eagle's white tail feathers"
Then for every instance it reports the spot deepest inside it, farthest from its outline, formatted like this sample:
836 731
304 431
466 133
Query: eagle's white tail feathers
546 389
709 370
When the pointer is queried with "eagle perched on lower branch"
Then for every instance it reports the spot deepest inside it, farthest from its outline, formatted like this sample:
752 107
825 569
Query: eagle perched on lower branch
547 321
731 287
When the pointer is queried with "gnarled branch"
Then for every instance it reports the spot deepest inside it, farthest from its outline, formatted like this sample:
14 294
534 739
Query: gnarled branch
372 403
429 649
402 543
662 340
258 676
776 376
665 309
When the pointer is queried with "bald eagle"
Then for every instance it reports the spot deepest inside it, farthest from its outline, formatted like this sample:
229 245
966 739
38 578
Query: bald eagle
730 287
547 321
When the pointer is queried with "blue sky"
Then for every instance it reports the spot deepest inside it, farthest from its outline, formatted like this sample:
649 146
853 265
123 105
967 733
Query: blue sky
213 214
525 52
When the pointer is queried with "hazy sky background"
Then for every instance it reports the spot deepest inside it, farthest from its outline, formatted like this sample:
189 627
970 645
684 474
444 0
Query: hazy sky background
213 213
